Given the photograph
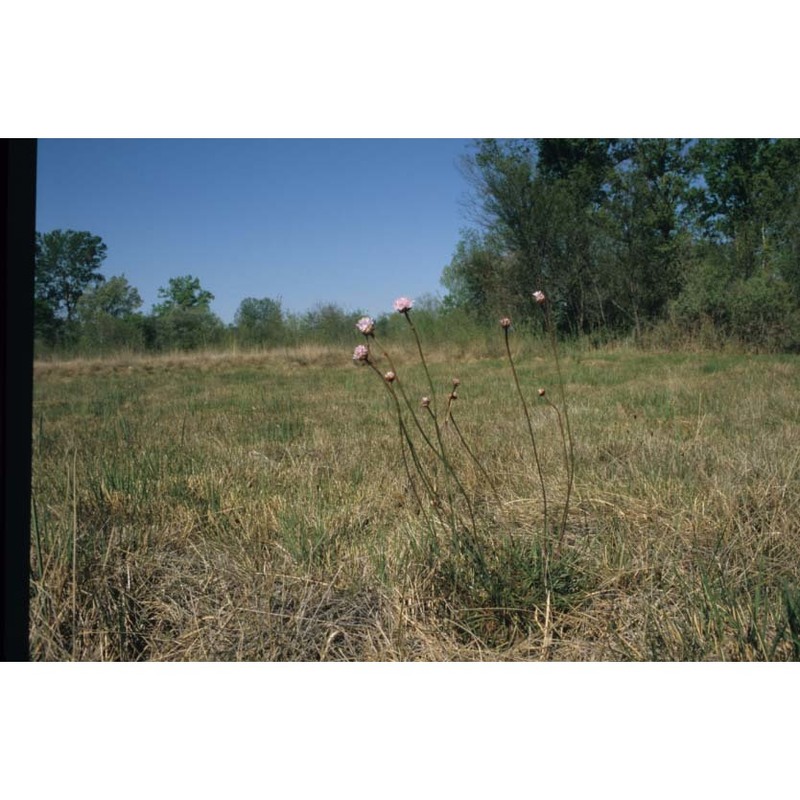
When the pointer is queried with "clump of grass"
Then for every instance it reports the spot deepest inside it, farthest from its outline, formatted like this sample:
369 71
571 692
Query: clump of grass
470 551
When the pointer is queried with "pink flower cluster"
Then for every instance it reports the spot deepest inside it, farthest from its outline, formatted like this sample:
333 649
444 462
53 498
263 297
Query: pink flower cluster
403 305
361 354
366 325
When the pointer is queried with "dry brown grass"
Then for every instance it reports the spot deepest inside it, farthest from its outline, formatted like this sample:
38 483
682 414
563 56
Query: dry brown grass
254 506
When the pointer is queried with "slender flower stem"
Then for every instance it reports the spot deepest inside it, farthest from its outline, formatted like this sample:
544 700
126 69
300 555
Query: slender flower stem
530 431
432 412
472 455
452 473
571 460
568 468
440 452
409 405
407 315
407 441
426 481
449 471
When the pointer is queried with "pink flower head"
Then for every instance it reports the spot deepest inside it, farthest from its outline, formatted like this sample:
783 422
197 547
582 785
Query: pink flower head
366 325
403 305
361 354
539 297
505 323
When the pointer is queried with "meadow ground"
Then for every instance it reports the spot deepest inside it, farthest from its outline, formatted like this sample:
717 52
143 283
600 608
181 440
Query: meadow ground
256 506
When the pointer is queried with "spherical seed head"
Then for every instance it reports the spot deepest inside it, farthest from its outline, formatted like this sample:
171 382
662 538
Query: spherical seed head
361 354
505 323
539 297
425 402
403 305
366 325
389 377
542 393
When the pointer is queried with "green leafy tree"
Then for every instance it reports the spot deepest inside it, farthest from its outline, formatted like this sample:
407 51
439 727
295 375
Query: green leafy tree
479 277
537 198
585 164
328 323
182 293
184 319
746 277
578 179
491 270
645 208
259 321
114 298
503 174
786 257
620 232
47 326
67 264
748 188
107 314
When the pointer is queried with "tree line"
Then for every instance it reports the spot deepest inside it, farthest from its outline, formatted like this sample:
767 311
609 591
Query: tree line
625 235
80 311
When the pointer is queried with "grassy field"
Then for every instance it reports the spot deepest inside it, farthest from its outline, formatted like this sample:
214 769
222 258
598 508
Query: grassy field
257 506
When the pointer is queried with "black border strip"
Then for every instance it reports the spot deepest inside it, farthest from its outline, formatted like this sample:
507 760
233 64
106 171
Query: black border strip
17 252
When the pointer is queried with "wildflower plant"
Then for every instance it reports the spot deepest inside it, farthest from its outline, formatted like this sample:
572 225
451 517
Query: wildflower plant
428 455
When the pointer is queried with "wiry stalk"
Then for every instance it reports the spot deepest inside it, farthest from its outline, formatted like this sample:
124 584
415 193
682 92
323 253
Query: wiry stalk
570 461
441 451
567 467
472 455
449 471
406 400
407 315
530 431
452 473
407 440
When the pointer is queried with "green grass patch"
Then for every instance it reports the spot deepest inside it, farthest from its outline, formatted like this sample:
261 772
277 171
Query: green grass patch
257 507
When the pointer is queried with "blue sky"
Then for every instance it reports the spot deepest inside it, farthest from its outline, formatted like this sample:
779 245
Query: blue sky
356 222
